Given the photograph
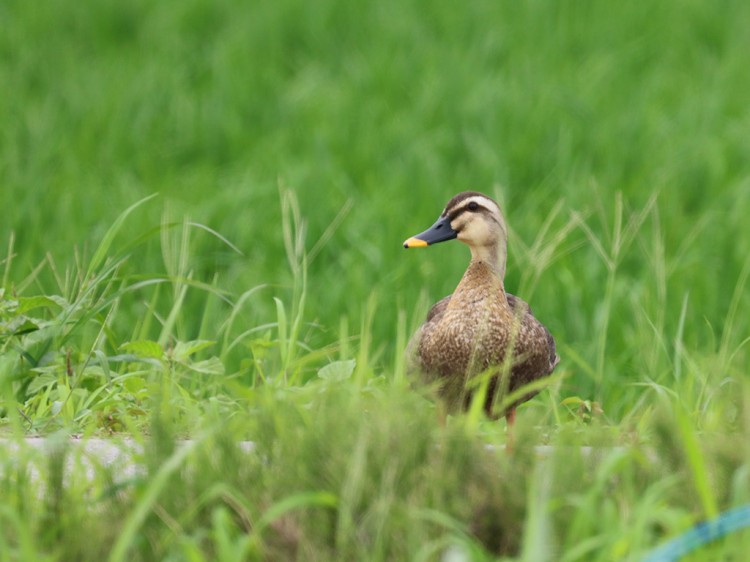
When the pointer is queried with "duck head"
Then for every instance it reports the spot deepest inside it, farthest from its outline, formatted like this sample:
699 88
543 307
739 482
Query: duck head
474 219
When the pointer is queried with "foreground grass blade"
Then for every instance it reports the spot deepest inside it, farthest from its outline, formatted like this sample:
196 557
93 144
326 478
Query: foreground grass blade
149 498
103 250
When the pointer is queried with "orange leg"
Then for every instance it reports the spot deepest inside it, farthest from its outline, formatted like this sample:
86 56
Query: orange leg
510 418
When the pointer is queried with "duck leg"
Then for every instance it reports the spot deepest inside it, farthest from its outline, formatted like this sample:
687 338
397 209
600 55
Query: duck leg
510 419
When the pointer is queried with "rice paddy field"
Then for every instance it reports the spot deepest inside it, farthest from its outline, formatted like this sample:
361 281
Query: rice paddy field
203 209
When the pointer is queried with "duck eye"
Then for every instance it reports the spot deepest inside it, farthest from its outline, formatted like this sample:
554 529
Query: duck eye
473 206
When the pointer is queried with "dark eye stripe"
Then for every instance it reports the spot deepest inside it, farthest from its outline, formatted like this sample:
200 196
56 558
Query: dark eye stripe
458 212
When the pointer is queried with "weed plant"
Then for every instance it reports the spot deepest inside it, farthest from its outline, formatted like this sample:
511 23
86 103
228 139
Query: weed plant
204 205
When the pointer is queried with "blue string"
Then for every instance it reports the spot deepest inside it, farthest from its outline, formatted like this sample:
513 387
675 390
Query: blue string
702 533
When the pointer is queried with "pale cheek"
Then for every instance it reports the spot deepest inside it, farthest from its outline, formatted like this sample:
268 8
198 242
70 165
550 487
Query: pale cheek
484 233
476 233
465 233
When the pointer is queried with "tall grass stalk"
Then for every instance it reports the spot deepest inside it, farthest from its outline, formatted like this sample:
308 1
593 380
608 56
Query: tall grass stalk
619 240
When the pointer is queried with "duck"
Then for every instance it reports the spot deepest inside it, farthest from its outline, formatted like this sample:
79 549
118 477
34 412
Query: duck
479 329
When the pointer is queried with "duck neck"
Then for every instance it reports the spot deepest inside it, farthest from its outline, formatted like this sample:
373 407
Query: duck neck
479 283
493 256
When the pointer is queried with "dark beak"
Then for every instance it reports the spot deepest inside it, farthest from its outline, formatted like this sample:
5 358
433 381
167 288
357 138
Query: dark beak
438 232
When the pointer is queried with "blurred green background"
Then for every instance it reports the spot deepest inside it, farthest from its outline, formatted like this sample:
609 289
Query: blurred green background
378 113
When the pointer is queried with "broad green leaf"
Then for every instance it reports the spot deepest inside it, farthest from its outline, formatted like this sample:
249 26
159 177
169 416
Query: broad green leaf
572 401
21 325
41 381
183 350
30 303
57 407
338 370
134 384
212 366
144 348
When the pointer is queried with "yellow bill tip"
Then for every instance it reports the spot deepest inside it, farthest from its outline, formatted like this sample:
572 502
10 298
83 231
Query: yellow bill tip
415 243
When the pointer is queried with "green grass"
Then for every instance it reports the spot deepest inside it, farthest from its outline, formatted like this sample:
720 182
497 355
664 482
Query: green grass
204 204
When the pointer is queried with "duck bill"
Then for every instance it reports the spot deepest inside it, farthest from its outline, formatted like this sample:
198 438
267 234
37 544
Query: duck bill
438 232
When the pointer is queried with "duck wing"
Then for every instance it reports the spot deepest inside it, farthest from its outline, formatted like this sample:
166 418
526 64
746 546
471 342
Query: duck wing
522 310
413 361
438 309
